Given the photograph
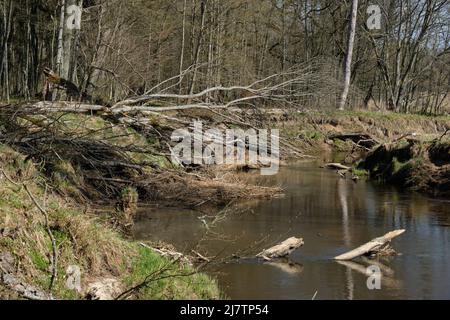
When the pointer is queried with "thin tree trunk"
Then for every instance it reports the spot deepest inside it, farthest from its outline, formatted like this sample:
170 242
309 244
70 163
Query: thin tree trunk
4 65
349 55
183 43
199 44
59 57
69 43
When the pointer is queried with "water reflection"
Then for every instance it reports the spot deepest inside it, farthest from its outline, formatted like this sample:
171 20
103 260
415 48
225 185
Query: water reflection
332 215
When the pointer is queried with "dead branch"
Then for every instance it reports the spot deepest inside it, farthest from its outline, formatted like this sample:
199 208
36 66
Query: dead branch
337 166
282 87
170 254
444 134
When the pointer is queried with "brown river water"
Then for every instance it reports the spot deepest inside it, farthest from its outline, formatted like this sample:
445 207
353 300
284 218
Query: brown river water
333 215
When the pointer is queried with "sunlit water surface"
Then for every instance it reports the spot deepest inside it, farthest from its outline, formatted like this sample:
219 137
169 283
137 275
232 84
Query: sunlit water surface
332 215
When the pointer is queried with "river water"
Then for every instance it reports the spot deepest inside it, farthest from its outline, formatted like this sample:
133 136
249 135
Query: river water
333 215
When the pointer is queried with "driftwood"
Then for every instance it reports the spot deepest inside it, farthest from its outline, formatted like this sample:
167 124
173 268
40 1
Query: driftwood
337 166
373 246
281 250
61 106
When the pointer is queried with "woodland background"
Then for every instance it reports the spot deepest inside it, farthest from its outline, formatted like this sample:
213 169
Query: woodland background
128 48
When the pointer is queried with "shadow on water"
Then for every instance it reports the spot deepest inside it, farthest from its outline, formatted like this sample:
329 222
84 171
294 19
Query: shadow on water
332 215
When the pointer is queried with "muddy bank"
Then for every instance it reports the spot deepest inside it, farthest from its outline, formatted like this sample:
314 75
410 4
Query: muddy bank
319 132
414 164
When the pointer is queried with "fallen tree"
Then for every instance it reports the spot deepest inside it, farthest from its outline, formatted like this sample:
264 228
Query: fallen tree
372 247
281 250
337 166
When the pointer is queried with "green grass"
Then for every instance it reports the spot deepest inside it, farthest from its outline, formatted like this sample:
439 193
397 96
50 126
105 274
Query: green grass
40 261
360 172
181 284
82 240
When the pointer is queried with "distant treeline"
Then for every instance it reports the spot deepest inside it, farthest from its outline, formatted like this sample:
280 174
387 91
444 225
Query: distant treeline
129 47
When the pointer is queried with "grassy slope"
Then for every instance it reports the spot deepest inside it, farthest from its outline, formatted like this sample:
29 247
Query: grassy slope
314 124
82 240
310 130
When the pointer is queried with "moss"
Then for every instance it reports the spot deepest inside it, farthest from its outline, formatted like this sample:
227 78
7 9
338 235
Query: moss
397 165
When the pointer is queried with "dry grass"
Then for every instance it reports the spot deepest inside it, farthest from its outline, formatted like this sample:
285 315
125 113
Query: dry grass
192 190
81 238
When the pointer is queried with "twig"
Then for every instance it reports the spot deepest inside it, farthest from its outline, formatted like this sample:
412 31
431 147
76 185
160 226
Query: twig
445 133
202 257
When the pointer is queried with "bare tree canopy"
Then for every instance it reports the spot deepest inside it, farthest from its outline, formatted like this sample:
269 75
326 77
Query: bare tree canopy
186 48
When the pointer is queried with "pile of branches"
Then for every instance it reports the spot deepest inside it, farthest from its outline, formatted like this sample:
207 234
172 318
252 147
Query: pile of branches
102 170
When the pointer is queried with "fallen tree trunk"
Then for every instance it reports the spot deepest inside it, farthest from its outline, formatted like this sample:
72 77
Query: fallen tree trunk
373 246
61 106
337 166
281 250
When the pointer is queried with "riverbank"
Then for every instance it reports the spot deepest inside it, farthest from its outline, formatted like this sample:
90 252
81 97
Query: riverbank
419 165
409 151
44 236
74 162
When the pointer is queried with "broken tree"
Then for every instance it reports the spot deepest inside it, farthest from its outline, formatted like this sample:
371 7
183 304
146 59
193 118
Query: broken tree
374 246
282 250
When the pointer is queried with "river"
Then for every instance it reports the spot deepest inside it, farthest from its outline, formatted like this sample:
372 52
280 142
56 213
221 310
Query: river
333 215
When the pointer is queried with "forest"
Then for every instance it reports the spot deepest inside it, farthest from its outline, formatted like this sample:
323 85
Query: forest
184 47
338 113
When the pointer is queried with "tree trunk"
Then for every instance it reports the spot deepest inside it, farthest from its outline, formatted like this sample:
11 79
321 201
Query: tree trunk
199 44
183 44
349 55
59 58
372 246
281 250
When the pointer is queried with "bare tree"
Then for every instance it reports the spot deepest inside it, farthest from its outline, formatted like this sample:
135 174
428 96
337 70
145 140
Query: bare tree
349 55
